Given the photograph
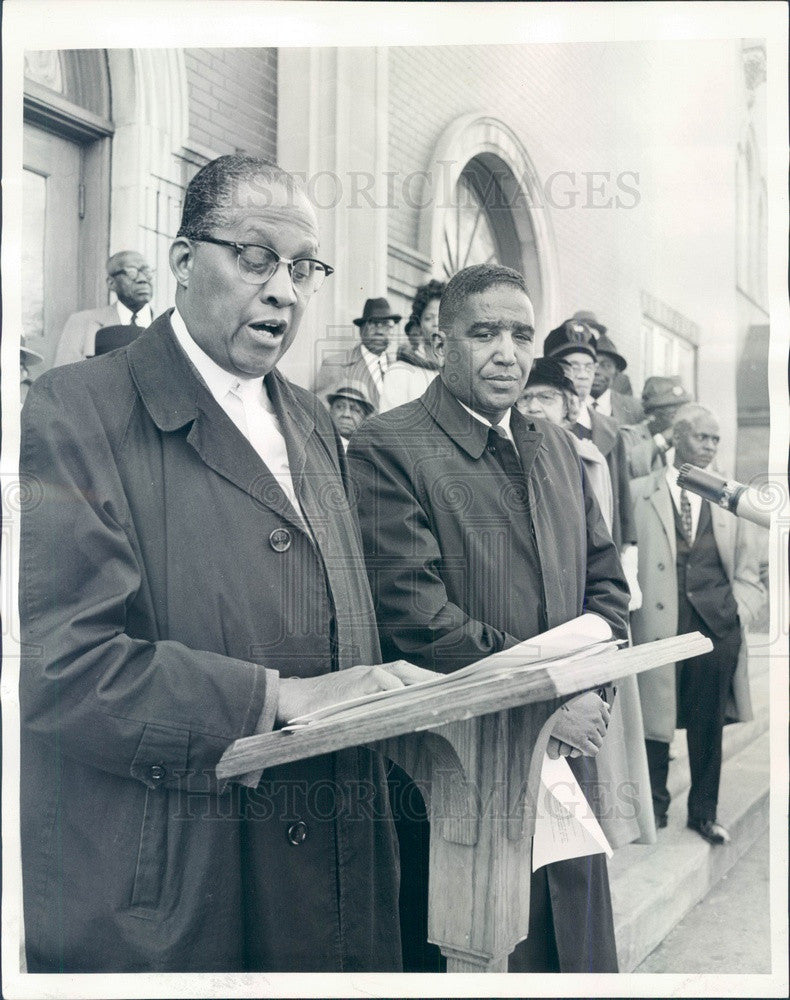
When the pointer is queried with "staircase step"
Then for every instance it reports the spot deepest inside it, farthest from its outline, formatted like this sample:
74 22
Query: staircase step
654 886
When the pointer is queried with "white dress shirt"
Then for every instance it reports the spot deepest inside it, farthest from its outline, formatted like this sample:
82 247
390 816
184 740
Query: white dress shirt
377 365
584 414
603 404
694 500
247 403
504 423
144 315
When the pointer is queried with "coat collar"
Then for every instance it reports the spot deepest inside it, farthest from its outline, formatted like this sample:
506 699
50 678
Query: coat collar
175 396
604 432
472 434
657 493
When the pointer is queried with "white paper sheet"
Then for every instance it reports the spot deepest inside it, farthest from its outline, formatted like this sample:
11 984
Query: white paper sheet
565 826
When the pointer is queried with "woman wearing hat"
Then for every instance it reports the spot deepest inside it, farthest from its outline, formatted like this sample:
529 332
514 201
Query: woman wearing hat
622 762
415 367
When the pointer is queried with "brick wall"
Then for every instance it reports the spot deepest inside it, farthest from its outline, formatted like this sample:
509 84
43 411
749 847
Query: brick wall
233 99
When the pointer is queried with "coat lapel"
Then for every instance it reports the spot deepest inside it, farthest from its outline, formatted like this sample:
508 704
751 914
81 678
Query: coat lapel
724 525
175 396
662 504
604 432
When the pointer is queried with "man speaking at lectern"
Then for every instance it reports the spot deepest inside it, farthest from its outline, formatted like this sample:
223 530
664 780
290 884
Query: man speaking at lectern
480 531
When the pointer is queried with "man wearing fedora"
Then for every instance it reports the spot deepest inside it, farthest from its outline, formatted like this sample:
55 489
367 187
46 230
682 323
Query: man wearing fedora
621 382
366 362
649 443
349 405
603 396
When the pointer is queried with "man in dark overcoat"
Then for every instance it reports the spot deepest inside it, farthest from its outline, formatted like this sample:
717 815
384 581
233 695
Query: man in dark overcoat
480 531
191 573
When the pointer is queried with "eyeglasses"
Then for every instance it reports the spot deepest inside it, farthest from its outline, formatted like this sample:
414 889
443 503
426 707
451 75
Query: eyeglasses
258 263
579 367
133 273
542 396
384 324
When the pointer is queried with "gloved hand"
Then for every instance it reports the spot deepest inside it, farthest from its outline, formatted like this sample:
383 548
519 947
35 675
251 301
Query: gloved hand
630 561
581 723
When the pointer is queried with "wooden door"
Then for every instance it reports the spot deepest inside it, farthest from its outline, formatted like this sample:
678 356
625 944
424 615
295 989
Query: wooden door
51 207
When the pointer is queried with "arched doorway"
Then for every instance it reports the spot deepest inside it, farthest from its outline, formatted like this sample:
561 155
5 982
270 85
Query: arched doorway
481 209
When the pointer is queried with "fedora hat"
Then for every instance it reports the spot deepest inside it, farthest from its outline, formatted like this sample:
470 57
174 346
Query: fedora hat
603 345
355 391
663 390
569 338
585 316
376 309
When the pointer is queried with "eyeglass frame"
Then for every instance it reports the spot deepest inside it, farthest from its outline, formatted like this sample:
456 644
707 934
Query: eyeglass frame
579 366
289 262
528 396
146 270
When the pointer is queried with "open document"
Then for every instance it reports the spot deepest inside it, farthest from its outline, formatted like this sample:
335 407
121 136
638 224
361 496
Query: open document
565 826
581 636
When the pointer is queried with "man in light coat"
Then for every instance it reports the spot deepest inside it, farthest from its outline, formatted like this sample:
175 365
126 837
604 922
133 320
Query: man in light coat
699 571
131 278
367 361
184 583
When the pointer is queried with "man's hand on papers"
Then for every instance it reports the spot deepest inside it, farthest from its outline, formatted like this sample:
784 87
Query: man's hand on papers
301 695
581 723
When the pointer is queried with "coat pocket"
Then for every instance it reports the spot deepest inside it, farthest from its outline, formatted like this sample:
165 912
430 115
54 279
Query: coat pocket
152 850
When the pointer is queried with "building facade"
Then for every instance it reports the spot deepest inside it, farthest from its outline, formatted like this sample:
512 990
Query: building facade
626 178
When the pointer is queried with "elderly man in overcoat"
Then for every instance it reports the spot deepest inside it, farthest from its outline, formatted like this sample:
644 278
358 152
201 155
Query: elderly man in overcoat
480 531
699 571
191 573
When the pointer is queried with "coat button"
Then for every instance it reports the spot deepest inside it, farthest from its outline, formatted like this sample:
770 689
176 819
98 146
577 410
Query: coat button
660 606
297 833
660 565
280 539
156 772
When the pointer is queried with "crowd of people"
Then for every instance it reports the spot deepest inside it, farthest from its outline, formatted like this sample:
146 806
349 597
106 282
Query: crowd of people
217 551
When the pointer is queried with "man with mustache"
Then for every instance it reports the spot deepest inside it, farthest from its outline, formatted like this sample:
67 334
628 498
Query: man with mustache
480 531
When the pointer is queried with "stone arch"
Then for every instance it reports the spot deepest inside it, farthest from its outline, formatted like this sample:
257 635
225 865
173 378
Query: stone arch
493 144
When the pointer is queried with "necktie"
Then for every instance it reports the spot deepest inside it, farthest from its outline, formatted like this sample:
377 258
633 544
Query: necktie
503 450
595 404
133 320
685 516
378 373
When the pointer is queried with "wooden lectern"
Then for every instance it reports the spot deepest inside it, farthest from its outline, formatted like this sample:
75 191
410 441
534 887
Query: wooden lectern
476 754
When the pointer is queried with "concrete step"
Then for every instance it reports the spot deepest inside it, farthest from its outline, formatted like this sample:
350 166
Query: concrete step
655 886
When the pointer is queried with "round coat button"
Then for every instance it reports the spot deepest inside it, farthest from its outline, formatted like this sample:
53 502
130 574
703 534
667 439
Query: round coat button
280 539
660 565
660 606
297 833
157 772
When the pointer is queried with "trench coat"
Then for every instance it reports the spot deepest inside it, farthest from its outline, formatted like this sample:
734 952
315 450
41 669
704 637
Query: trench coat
165 585
736 541
446 563
608 440
350 367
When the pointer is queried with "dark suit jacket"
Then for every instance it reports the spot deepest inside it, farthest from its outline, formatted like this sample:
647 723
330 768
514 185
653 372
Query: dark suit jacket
350 367
607 438
626 409
154 595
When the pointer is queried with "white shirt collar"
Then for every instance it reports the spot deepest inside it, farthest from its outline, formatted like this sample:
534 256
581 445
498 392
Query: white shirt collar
604 403
504 423
144 315
584 415
372 360
218 381
695 501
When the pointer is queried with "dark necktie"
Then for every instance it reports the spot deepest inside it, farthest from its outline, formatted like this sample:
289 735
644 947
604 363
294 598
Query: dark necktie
503 450
133 320
595 404
685 516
